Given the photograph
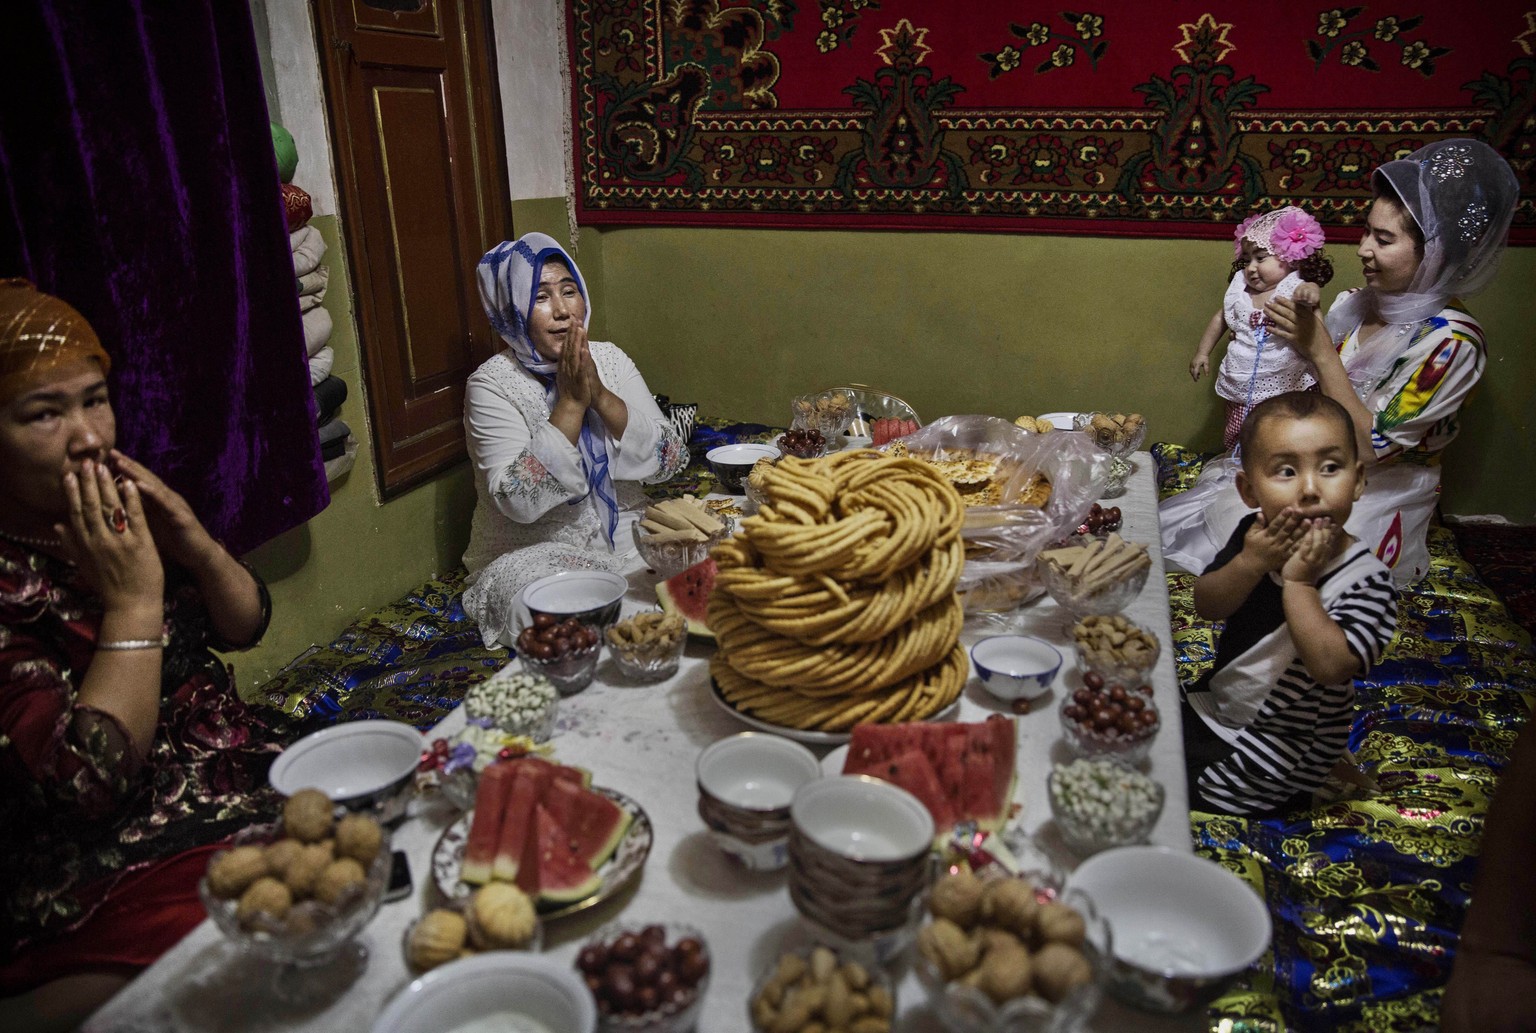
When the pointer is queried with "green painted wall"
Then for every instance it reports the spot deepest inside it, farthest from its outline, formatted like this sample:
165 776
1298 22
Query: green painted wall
359 553
741 320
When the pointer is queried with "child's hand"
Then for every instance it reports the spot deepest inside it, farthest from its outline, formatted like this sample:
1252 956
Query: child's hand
1308 294
1270 544
1313 551
1199 366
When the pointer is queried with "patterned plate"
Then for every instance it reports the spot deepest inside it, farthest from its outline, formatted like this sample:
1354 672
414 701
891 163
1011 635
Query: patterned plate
617 872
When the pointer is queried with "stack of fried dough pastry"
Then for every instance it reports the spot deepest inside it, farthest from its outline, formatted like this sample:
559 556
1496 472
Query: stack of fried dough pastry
836 603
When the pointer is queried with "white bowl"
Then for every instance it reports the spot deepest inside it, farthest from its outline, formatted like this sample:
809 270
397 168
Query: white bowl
1016 666
755 771
1184 927
591 596
358 764
1059 420
862 818
474 993
732 463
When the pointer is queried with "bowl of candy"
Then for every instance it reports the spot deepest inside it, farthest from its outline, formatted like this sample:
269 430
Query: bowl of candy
513 701
1087 575
564 652
1119 434
803 443
1004 953
1100 804
299 894
1101 520
646 977
1115 647
648 646
1102 719
831 992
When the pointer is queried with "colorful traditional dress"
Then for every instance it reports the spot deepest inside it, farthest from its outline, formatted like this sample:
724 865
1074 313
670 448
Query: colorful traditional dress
85 814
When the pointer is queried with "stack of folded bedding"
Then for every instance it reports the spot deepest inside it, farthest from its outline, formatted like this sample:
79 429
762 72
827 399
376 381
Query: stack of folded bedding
337 447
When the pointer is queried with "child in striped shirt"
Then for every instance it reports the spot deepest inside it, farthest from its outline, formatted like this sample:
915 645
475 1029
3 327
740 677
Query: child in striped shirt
1307 607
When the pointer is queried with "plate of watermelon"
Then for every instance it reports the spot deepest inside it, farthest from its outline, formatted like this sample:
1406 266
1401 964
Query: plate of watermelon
566 843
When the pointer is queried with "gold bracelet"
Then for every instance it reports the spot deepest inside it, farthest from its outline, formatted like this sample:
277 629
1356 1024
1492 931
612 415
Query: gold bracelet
137 643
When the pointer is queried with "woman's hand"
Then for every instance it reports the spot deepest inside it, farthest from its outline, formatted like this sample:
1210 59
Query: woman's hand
575 374
1302 325
109 540
179 534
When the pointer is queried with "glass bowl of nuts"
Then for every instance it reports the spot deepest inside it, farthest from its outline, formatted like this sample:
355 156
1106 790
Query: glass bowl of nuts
832 991
1099 804
565 652
829 412
1115 647
1104 719
648 646
1007 953
646 977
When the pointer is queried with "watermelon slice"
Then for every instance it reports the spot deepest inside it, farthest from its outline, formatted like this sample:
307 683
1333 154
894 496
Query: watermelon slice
687 595
550 871
529 782
960 771
491 797
912 771
595 823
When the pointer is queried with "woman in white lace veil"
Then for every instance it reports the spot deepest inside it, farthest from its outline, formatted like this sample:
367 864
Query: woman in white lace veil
1401 354
559 429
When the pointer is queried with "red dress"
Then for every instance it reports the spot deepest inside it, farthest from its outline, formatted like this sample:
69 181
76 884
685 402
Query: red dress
103 845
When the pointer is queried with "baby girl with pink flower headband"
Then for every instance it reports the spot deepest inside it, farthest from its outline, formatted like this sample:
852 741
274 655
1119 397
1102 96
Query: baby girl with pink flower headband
1279 254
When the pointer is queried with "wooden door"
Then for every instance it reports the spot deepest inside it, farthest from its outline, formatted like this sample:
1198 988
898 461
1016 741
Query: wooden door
416 126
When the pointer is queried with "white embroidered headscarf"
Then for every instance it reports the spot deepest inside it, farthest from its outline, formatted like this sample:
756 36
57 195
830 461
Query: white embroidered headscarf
1462 194
509 281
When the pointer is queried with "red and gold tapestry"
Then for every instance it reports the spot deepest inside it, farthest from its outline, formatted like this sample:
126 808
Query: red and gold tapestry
1131 117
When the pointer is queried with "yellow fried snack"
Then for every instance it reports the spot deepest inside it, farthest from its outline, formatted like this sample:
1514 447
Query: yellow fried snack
232 871
500 916
307 815
358 836
437 939
836 603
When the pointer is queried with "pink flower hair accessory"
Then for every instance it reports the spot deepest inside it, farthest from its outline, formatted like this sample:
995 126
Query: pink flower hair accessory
1296 235
1240 233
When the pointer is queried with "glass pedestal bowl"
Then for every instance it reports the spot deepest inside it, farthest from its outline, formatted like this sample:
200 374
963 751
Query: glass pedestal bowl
1116 439
313 949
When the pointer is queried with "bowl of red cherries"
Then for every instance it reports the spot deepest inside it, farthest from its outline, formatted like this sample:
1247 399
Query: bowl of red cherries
649 978
1110 719
1100 520
564 651
805 442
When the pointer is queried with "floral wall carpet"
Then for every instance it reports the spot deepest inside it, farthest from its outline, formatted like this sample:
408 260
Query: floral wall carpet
1126 117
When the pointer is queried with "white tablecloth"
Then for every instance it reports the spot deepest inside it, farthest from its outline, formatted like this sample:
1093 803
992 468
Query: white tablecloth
643 741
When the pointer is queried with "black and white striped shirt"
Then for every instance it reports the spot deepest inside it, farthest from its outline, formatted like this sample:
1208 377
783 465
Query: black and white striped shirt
1287 730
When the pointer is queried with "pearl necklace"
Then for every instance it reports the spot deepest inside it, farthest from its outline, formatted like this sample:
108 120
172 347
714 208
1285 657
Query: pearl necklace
39 543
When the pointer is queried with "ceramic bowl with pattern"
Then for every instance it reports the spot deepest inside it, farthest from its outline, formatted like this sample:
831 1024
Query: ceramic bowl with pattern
732 463
360 765
591 596
1016 666
746 783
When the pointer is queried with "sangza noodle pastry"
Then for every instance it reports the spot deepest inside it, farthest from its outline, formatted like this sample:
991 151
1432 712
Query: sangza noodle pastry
836 603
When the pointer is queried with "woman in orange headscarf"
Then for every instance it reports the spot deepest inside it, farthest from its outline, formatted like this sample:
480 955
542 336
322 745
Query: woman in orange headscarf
124 751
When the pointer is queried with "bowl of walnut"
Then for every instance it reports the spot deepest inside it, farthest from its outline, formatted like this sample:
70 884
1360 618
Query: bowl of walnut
1004 953
299 894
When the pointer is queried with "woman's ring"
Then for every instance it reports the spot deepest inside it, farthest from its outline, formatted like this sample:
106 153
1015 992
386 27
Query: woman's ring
119 519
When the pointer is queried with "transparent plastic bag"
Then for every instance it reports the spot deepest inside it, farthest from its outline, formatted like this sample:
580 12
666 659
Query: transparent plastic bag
1002 540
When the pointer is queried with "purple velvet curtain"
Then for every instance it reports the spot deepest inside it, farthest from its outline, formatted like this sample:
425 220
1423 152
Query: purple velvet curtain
138 182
